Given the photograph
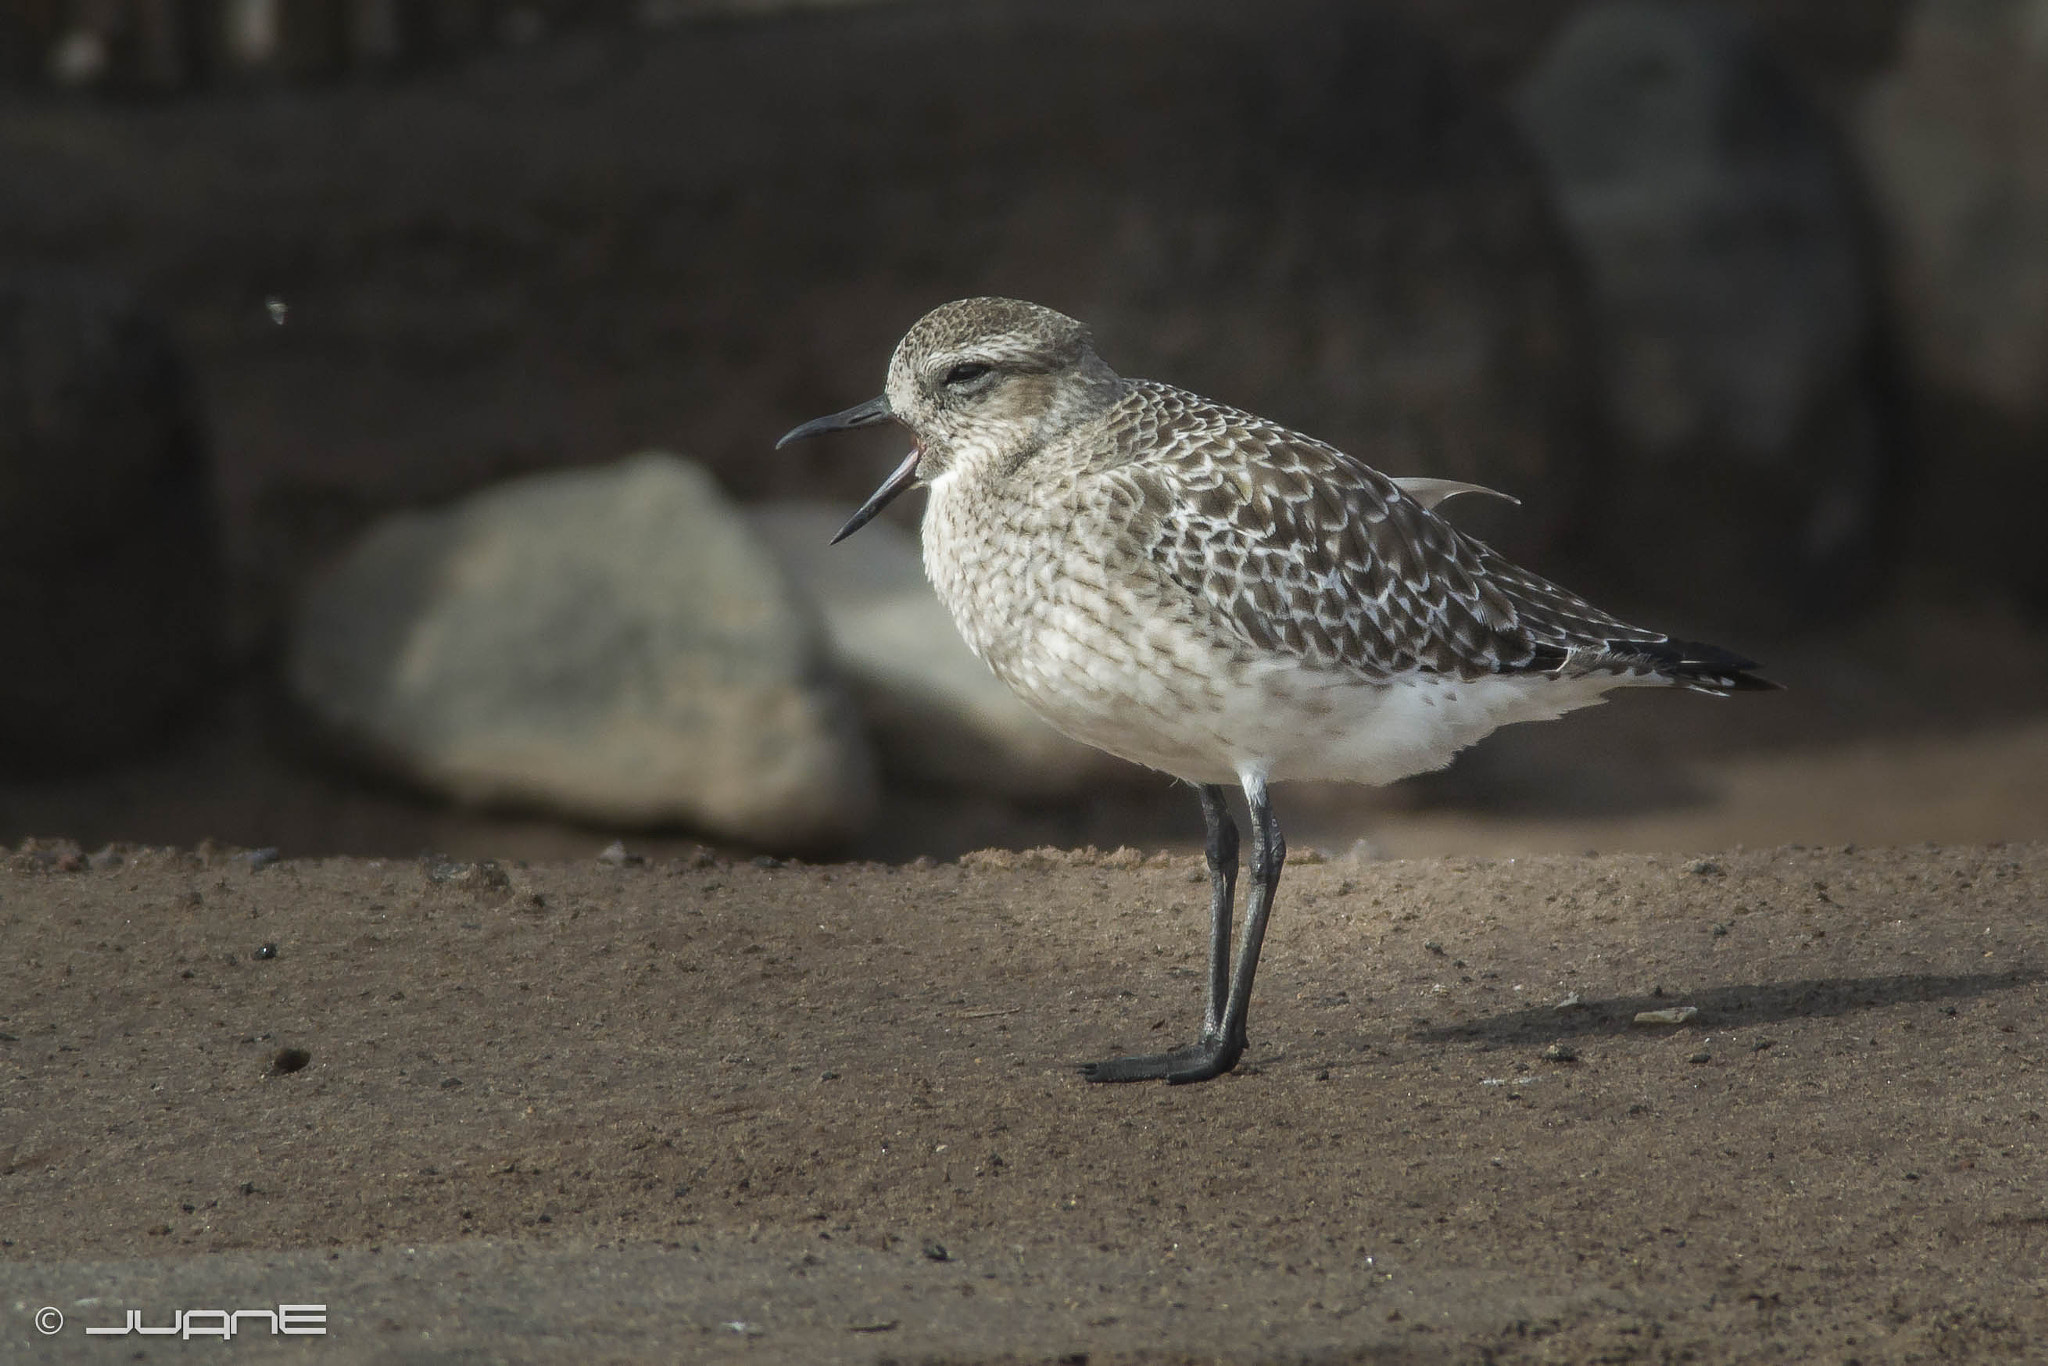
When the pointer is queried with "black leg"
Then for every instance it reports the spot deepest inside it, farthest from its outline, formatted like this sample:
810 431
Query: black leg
1269 854
1222 1040
1221 847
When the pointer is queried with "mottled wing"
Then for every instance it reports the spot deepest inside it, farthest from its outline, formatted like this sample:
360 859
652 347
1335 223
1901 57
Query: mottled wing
1304 551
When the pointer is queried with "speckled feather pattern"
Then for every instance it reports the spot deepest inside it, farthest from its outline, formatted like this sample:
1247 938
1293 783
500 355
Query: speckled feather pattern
1306 552
1206 592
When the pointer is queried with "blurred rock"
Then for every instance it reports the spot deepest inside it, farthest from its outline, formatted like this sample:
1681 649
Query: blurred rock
79 58
1957 143
935 711
612 645
1736 300
110 584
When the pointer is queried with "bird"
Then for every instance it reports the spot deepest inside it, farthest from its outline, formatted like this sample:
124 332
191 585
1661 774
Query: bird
1210 594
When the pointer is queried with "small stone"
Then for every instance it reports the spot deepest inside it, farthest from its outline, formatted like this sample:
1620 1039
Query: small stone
616 855
264 953
1560 1052
1675 1015
1571 1002
486 875
1702 1056
1705 867
37 855
874 1326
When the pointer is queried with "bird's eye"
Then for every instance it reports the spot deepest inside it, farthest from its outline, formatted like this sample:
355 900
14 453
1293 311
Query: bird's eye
966 372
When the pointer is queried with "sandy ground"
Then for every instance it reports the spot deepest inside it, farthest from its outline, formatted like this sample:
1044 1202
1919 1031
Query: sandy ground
700 1109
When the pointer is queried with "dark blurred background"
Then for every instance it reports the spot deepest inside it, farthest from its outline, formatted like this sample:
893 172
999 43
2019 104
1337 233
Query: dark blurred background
1747 302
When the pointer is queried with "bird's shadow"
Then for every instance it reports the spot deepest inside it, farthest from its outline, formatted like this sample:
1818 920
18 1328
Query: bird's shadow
1728 1007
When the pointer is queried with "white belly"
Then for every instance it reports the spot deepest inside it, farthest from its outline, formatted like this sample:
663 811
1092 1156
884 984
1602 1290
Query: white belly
1315 724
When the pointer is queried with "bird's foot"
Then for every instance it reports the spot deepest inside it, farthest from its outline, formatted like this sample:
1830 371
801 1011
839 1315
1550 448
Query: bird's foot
1199 1061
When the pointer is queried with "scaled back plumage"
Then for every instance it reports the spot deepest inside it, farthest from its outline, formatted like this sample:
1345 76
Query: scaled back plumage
1307 551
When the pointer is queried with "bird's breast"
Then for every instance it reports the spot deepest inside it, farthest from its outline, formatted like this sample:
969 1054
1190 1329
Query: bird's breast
1037 586
989 559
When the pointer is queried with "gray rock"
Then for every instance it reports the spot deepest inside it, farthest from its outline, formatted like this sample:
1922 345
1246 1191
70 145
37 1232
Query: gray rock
612 645
110 583
935 711
1735 299
1956 139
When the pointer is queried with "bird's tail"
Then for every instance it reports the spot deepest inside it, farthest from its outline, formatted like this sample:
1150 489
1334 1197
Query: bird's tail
1695 665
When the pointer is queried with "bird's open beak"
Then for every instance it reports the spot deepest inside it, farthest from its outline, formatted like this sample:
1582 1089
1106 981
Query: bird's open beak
860 415
900 479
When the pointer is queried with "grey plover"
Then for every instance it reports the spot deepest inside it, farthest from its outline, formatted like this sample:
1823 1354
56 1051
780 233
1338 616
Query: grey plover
1207 593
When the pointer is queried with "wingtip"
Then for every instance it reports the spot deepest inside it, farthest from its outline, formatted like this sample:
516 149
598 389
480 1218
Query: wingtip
1431 492
1696 664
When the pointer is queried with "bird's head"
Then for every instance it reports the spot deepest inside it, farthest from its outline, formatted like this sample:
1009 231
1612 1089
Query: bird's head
981 384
